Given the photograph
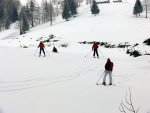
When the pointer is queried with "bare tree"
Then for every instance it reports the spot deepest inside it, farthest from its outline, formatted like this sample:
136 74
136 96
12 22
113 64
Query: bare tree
32 10
128 105
57 9
51 12
146 6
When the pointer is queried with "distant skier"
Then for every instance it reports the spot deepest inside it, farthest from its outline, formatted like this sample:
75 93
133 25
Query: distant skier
108 70
95 49
41 46
54 50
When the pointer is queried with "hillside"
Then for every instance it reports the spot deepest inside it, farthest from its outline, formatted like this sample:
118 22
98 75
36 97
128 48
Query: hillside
65 82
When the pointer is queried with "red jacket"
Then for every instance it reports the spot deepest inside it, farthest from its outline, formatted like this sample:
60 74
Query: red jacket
95 46
41 45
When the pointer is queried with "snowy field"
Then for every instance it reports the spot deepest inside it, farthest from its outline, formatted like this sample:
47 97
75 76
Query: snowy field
65 82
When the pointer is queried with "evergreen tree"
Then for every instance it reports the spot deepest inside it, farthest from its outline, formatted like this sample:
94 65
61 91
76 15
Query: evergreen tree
1 9
1 14
8 12
140 5
24 25
73 7
137 8
12 7
14 14
66 12
7 23
94 9
6 18
32 8
46 11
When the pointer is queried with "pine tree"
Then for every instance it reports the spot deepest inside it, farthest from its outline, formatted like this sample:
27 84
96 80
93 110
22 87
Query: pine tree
66 12
2 17
140 5
6 18
14 14
46 11
137 8
24 25
32 8
73 7
7 24
94 9
8 12
1 9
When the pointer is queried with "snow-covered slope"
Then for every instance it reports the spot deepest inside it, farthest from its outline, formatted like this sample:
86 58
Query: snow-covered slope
65 82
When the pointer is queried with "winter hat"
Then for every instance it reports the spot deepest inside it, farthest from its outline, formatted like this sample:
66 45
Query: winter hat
108 59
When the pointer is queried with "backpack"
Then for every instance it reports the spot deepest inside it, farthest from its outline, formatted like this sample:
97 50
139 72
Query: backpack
109 66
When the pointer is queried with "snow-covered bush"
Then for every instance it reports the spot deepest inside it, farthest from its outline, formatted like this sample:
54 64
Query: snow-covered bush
135 53
128 51
147 42
64 45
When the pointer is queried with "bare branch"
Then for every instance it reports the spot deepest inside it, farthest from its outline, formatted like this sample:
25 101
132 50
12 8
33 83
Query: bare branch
130 106
121 107
127 107
126 99
131 101
137 110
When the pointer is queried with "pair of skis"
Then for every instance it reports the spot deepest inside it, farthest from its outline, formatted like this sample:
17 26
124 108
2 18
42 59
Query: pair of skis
105 85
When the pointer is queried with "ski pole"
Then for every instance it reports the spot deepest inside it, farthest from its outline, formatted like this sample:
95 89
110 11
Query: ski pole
88 54
101 53
113 82
47 52
99 78
35 51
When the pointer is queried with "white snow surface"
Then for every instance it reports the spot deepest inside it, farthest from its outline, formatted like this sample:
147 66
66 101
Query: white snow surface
65 82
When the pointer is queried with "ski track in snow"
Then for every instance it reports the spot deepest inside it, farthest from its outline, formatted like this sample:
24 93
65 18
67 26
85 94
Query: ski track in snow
39 82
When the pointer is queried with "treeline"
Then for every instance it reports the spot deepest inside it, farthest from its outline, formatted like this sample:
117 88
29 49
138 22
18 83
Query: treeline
29 15
32 14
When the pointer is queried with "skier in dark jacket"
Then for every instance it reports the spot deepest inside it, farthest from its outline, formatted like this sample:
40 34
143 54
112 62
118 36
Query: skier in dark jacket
95 49
41 46
54 50
108 70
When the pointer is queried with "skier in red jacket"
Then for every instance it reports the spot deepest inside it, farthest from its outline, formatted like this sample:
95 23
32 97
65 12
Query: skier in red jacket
41 46
95 49
108 70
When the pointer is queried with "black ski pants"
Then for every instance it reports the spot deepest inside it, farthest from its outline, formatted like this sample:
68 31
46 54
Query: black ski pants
42 50
95 51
